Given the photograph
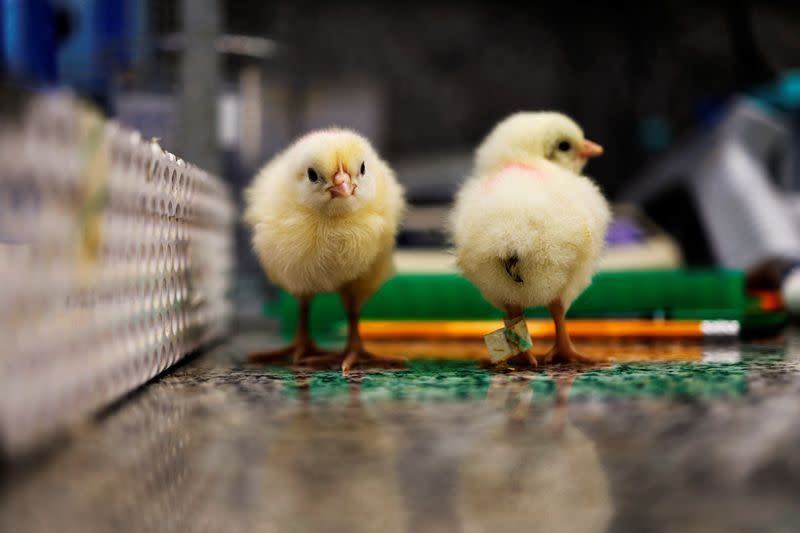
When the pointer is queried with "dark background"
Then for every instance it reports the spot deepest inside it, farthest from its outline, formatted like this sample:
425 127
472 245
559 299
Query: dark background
636 76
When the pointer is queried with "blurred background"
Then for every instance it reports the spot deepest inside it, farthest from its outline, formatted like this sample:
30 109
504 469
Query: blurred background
120 259
226 84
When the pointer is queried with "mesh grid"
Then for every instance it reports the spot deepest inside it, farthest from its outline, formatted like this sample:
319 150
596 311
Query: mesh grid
115 259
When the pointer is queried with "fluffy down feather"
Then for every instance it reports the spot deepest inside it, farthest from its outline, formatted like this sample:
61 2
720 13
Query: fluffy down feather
308 242
551 221
527 228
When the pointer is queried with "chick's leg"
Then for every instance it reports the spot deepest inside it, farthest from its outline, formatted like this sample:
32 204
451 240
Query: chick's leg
303 349
563 350
354 351
514 312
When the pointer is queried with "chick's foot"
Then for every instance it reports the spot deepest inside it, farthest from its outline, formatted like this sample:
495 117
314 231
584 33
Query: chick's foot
565 353
523 359
303 353
357 354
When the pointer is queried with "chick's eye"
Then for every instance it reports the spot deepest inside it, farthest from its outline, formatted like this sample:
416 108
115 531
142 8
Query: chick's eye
564 146
312 175
363 168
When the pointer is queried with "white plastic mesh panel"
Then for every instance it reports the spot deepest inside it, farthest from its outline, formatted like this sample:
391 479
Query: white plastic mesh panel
115 259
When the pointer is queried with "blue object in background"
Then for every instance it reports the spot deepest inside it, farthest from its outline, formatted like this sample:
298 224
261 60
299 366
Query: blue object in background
82 44
655 133
782 99
3 59
106 39
623 231
784 94
29 41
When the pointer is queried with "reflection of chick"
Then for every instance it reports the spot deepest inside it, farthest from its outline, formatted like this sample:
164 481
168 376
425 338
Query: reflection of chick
324 214
531 476
528 229
333 469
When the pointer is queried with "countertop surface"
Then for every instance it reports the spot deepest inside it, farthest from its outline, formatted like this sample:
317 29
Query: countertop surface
690 437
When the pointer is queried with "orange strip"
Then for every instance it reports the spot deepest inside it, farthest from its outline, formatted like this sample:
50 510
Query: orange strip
468 329
667 349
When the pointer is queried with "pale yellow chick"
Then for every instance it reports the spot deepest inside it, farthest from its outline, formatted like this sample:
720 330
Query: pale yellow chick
324 214
528 229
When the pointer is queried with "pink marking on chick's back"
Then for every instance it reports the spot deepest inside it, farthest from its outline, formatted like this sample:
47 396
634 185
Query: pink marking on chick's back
528 168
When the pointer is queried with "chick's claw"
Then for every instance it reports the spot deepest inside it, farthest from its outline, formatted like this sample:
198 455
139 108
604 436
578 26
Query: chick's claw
355 356
566 354
326 359
528 356
302 354
271 355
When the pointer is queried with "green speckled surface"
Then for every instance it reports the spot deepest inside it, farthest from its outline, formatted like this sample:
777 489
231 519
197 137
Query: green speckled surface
454 380
707 443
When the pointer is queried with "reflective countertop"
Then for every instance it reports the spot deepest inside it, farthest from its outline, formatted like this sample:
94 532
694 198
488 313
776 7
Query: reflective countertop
662 437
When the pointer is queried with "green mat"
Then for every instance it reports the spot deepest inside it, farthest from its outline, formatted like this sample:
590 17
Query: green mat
426 380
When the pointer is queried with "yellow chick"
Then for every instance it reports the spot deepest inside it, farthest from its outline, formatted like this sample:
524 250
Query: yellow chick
527 227
324 214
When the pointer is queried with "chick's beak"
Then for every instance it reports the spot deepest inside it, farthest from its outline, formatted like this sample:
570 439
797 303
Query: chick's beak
590 149
342 185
